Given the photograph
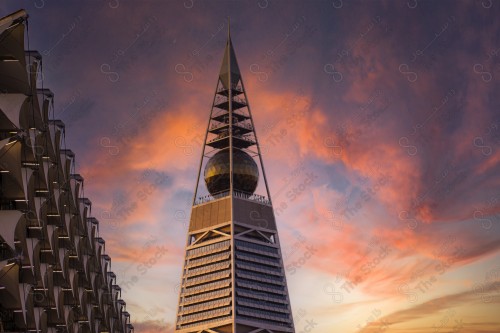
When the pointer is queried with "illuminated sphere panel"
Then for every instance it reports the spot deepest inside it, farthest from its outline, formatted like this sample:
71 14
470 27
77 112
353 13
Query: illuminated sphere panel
245 172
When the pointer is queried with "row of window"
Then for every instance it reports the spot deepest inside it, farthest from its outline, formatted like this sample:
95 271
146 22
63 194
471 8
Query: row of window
205 315
259 259
207 287
207 259
209 268
258 268
257 247
202 250
262 295
259 277
271 322
260 287
261 284
262 304
205 322
263 314
209 295
208 277
207 305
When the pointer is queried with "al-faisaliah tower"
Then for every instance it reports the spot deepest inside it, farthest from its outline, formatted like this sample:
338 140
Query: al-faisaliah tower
233 278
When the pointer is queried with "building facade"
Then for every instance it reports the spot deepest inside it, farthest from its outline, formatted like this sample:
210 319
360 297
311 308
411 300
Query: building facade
233 278
55 275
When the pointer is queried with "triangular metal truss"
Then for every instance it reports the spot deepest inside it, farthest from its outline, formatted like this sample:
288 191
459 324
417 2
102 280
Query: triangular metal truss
233 278
230 125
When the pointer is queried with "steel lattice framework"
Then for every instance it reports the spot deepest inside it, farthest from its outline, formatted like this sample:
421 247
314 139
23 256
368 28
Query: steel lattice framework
233 278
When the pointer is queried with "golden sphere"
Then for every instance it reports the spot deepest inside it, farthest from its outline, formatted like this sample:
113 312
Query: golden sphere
245 172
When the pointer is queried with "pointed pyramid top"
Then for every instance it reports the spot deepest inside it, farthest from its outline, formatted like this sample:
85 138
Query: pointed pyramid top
229 71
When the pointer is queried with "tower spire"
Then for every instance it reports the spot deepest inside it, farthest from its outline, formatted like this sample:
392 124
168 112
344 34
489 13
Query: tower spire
229 63
233 278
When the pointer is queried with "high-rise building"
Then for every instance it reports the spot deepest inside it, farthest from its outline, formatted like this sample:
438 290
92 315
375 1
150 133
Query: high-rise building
55 275
233 278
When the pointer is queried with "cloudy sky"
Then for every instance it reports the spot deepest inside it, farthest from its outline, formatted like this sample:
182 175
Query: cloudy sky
380 127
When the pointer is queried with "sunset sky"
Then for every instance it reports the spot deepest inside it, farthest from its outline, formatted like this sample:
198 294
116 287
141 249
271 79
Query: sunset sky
380 126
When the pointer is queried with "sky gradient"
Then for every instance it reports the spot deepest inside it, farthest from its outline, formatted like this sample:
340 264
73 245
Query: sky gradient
390 109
